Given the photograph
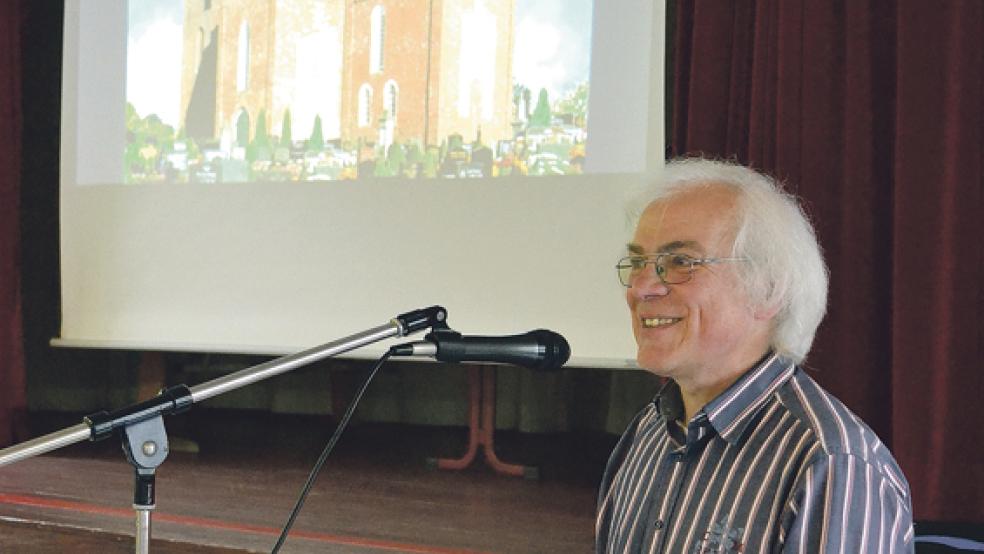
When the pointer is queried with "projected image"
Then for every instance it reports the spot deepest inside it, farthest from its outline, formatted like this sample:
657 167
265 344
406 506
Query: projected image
321 90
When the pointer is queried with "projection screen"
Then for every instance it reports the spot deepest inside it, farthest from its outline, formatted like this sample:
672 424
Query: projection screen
267 176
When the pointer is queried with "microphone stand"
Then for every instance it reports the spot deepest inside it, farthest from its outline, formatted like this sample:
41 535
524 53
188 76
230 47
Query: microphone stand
144 437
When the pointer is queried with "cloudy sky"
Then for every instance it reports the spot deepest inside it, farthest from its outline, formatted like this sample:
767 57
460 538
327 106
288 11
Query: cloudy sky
553 44
153 58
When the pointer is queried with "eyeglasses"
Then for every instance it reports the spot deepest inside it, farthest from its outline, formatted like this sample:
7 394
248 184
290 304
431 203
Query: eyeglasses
671 268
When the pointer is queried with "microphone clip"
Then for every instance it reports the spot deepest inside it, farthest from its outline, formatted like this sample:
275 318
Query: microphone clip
428 346
434 317
441 332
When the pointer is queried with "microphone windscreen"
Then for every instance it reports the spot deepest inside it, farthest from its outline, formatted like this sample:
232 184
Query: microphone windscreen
556 349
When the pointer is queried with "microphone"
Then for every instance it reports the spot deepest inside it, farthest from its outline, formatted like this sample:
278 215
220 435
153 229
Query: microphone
539 349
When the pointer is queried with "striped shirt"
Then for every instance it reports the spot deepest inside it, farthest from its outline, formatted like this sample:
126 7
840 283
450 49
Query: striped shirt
773 464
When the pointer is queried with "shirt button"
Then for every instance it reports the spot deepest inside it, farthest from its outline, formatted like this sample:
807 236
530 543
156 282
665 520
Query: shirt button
659 524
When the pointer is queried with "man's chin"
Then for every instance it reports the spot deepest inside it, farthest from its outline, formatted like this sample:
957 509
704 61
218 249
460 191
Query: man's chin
659 365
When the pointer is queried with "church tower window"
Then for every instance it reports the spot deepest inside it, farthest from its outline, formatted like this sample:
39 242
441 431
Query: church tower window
365 105
390 97
377 32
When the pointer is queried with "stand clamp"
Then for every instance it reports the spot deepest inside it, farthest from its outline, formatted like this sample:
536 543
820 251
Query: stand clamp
145 445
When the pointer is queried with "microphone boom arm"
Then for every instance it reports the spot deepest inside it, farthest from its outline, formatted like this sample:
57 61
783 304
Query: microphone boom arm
179 398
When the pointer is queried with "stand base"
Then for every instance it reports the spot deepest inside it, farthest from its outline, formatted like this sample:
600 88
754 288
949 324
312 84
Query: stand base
481 429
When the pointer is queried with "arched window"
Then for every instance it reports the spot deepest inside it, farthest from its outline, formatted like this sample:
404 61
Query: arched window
365 105
377 30
391 95
242 59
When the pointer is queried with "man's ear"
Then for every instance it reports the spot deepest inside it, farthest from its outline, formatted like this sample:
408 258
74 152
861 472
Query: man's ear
766 310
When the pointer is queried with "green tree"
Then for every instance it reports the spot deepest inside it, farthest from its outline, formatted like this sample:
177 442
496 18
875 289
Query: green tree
396 157
194 152
131 155
148 140
317 141
413 152
260 148
242 130
431 160
576 104
132 117
541 113
285 138
521 102
384 168
262 138
156 132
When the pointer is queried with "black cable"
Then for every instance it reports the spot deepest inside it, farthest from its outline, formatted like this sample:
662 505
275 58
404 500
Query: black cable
324 453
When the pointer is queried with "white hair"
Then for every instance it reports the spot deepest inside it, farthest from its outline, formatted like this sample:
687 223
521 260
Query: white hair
785 267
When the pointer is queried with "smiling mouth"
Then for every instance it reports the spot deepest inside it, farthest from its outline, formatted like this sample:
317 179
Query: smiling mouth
654 322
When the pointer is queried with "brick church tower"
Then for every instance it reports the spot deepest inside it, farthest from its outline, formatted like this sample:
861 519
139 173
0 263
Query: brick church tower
373 71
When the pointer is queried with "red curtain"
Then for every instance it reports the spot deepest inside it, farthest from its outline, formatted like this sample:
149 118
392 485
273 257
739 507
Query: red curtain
13 400
873 112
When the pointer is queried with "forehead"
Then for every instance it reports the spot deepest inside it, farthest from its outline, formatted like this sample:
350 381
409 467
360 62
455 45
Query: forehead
703 217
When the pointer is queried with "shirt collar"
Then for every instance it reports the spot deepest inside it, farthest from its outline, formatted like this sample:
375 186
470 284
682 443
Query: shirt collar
669 404
731 411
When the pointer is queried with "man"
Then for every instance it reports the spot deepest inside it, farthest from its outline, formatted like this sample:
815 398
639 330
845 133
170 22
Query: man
741 451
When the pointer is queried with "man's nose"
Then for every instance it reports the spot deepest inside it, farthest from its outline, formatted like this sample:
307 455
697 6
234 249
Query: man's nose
647 282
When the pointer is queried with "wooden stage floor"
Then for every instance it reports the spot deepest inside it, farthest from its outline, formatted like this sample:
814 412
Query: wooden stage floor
375 494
